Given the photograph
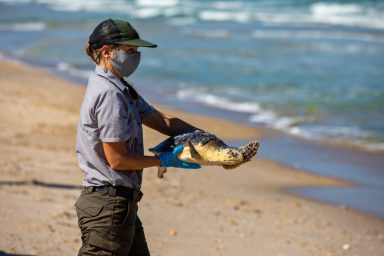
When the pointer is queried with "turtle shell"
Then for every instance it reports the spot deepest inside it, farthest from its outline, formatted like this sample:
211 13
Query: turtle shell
205 148
201 147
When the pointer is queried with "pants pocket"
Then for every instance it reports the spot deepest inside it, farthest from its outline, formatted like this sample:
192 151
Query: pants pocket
90 211
88 206
107 223
124 213
111 244
124 220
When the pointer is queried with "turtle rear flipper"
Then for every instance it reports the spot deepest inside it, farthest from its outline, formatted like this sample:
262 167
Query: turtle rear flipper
164 146
161 171
248 152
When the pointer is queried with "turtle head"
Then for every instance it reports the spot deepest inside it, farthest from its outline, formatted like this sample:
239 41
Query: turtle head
232 155
226 156
247 153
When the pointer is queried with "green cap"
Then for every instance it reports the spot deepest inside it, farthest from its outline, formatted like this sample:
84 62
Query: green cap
111 31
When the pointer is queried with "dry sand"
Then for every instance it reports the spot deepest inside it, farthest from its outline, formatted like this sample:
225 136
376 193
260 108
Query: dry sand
210 211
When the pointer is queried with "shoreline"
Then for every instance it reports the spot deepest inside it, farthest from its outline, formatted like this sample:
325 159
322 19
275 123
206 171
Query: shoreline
250 131
198 108
228 210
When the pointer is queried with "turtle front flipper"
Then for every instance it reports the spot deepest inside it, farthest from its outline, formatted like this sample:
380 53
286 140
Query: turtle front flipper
228 167
248 151
193 151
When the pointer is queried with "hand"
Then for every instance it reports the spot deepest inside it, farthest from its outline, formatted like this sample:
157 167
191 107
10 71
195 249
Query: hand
169 159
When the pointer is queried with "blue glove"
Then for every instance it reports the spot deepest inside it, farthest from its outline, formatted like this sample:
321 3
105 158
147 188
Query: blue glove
169 159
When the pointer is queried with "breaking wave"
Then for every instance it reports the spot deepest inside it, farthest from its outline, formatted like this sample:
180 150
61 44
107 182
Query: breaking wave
302 126
256 113
26 26
358 14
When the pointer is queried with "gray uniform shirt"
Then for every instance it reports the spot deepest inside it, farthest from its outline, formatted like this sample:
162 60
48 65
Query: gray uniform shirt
109 113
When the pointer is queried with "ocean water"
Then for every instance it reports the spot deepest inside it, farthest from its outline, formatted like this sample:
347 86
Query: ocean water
309 68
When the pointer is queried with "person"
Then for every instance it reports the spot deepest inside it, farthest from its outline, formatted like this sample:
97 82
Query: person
109 144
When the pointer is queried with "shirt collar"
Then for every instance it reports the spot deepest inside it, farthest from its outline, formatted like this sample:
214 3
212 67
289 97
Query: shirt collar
100 71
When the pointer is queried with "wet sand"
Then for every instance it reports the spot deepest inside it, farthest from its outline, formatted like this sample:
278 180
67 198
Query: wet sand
363 169
210 211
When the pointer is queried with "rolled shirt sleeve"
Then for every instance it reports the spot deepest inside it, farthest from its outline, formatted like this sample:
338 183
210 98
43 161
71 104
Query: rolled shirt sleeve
113 117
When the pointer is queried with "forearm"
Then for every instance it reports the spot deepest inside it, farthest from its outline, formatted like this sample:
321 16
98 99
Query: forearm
175 126
133 161
167 124
119 158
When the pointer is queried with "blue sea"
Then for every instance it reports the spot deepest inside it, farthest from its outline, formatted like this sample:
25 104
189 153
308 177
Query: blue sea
308 69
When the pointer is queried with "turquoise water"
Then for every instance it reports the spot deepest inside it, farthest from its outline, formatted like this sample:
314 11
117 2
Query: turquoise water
308 68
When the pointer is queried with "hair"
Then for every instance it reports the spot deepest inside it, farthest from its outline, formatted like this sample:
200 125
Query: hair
93 54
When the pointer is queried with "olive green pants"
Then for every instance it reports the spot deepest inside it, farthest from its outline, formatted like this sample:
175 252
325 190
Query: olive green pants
109 225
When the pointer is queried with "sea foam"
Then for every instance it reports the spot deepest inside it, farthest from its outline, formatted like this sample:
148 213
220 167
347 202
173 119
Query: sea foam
73 71
217 101
157 3
312 34
214 15
27 26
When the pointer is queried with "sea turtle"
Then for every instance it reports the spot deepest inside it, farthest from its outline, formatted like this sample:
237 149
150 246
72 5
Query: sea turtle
205 148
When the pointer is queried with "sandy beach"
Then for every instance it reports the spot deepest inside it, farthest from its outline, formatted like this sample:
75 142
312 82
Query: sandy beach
210 211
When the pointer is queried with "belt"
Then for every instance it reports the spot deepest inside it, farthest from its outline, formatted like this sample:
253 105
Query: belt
129 193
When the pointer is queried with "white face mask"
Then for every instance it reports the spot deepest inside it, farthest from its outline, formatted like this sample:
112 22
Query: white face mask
125 62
